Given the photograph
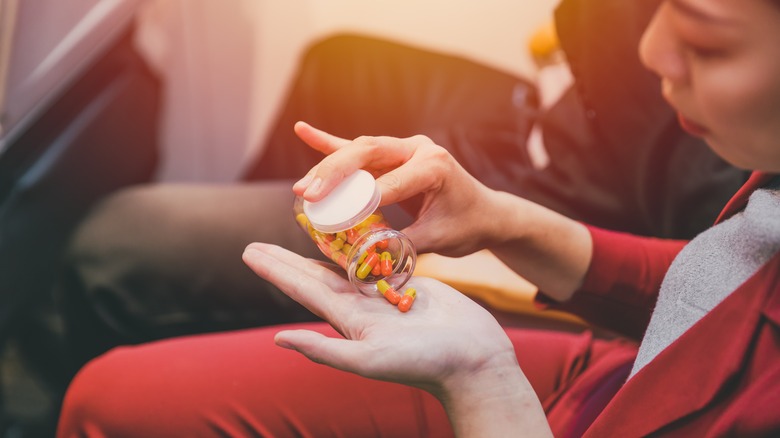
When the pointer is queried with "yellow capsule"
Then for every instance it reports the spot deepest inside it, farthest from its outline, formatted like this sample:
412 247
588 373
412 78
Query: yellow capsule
386 263
337 244
339 258
341 235
346 248
371 260
388 291
374 218
363 271
405 303
302 220
362 257
382 285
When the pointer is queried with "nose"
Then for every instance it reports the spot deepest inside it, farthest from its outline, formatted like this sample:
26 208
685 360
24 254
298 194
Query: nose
660 51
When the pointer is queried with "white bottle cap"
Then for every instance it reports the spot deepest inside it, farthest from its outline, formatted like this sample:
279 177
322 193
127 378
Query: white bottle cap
350 203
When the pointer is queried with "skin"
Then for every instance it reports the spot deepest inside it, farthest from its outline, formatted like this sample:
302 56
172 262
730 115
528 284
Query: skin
719 66
719 61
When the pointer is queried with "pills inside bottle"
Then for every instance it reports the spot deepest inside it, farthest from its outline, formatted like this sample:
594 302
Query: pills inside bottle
349 228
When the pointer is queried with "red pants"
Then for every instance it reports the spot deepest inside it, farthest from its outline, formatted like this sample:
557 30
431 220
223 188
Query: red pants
241 384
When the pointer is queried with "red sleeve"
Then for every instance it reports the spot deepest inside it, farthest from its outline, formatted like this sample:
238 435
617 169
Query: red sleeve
622 283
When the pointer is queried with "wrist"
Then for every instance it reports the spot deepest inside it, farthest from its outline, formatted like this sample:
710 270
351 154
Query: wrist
495 400
507 218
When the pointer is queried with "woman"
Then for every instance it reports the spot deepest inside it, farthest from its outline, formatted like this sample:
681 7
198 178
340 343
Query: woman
707 366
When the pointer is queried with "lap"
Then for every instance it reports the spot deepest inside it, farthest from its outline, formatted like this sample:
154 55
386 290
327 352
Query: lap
240 383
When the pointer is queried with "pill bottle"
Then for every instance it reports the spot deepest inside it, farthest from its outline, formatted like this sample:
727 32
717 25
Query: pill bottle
350 229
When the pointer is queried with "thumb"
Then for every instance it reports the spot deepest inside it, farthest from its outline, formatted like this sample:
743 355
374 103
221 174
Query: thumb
338 353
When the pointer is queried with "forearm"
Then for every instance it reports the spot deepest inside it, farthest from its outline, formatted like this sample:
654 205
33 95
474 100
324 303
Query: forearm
546 248
495 402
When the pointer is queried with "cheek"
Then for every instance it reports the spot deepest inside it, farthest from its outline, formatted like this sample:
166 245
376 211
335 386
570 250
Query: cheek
741 105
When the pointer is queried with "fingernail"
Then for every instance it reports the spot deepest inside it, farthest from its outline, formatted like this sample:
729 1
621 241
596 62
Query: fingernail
314 187
281 342
284 344
303 182
251 252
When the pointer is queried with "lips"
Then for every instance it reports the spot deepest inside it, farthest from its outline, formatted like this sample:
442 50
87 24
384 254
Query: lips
691 127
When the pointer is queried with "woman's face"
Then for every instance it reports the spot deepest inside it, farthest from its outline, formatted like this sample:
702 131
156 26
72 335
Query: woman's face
719 63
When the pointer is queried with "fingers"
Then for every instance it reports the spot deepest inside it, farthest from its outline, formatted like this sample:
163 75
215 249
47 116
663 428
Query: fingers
311 284
338 353
410 179
319 139
377 155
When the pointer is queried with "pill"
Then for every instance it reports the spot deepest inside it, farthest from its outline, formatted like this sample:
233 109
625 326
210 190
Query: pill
389 293
374 218
382 285
405 303
352 235
367 266
363 271
376 271
302 220
372 258
340 259
392 296
386 263
336 245
382 244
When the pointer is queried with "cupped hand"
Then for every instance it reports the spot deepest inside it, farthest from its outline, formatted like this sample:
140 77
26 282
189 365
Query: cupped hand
453 211
444 339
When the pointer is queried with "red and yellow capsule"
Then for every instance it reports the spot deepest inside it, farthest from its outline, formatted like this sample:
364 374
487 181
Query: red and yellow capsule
371 260
386 263
352 235
389 293
405 303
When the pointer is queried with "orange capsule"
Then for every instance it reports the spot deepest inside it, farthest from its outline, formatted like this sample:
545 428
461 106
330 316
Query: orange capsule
372 259
340 259
405 303
367 266
363 271
376 271
382 285
386 263
388 291
393 296
383 244
352 235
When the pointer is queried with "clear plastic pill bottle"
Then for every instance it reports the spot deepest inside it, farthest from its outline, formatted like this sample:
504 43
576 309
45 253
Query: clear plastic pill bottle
350 229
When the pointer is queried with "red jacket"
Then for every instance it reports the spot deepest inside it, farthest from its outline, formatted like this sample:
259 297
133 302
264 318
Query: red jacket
721 377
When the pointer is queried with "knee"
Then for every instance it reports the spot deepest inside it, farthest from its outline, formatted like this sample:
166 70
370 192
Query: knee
90 406
124 220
